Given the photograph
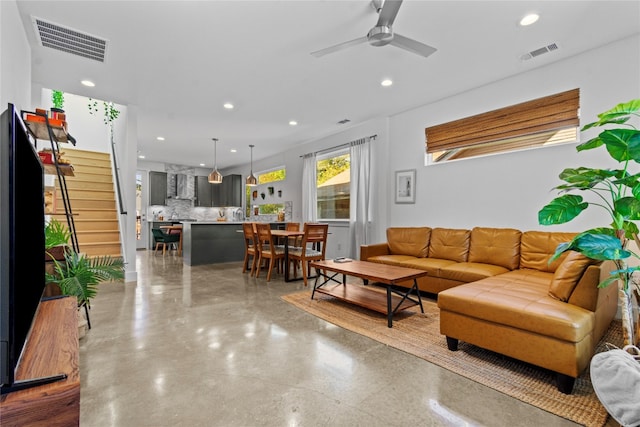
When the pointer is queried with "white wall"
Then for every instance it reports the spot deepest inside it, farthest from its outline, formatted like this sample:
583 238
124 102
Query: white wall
508 190
15 60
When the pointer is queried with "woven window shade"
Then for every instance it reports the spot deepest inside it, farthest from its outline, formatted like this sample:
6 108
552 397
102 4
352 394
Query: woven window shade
552 112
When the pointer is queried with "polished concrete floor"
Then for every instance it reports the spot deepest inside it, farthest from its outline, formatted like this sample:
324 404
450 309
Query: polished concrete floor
209 346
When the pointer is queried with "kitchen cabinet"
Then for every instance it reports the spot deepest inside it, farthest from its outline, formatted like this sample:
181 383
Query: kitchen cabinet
204 192
231 191
157 188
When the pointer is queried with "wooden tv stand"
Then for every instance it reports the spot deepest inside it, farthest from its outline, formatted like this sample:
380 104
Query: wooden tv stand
52 348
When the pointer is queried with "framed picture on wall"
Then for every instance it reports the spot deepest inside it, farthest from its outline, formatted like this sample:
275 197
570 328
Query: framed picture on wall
406 186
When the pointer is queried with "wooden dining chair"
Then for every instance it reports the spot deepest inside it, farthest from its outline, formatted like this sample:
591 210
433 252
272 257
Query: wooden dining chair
250 250
268 249
294 226
312 248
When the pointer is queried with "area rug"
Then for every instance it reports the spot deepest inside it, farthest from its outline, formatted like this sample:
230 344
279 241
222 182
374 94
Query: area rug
418 334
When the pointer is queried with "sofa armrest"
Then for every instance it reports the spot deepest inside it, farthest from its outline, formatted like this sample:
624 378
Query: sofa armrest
367 251
602 301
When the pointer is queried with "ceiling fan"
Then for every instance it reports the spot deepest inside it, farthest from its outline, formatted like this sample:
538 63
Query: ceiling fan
382 34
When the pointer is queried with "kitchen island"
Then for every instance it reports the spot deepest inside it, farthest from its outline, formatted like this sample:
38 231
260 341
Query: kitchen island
212 242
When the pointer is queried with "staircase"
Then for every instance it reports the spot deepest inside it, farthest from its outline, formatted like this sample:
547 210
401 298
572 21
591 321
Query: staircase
92 200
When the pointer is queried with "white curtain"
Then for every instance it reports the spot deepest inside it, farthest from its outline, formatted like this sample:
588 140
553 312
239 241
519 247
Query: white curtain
360 204
309 187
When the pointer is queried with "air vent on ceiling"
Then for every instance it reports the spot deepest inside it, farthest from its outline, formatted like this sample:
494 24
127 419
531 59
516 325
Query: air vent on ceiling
540 51
343 121
69 40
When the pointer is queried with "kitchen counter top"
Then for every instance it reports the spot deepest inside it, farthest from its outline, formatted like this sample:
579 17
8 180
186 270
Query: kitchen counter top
211 222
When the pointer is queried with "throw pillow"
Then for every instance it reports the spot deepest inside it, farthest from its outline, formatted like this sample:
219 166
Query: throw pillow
567 275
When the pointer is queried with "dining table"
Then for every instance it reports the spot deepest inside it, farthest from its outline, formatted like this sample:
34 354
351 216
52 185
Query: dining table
287 234
174 229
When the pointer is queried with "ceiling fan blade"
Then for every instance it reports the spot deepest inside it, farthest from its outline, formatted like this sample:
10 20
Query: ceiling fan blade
325 51
412 45
388 13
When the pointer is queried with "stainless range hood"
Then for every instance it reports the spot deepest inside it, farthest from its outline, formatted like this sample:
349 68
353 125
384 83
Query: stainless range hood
179 187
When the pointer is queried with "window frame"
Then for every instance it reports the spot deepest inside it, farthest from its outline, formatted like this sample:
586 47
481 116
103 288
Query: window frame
328 155
528 125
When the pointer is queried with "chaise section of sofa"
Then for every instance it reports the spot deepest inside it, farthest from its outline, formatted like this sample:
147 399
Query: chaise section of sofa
548 314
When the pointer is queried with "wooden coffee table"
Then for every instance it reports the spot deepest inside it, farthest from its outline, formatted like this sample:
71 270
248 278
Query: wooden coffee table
380 274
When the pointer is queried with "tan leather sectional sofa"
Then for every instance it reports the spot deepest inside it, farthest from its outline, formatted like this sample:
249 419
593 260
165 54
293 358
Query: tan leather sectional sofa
496 289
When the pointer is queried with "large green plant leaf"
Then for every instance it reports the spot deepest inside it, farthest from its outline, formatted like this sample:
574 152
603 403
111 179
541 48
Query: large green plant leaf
630 229
622 144
562 209
628 207
590 144
586 178
617 115
594 245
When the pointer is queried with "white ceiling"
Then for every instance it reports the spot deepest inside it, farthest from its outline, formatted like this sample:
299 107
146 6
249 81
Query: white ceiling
180 61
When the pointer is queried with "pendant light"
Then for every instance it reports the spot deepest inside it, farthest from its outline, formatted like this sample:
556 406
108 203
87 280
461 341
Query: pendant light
215 177
251 179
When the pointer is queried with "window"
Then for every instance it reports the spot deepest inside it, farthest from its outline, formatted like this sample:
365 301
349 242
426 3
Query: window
333 181
542 122
272 176
271 208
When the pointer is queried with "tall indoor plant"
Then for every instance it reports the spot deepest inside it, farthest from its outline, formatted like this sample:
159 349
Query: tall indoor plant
617 191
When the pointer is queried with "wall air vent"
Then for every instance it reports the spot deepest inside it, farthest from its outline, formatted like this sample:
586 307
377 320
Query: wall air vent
344 121
69 40
540 51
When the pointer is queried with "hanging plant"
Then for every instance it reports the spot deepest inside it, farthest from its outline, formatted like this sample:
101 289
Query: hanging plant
110 112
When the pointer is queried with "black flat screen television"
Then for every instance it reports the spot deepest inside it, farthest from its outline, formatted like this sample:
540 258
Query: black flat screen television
21 241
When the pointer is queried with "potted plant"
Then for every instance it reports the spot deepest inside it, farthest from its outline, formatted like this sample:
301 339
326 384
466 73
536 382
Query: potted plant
617 192
79 275
57 98
56 240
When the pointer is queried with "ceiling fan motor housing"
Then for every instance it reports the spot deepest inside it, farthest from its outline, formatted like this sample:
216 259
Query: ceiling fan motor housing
380 36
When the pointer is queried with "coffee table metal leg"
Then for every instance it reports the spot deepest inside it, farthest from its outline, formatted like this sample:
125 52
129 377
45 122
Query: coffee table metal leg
389 310
415 286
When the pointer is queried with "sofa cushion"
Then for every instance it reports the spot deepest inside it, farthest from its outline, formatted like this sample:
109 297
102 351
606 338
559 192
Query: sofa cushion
537 248
522 304
433 266
391 259
567 275
449 243
412 241
467 272
496 246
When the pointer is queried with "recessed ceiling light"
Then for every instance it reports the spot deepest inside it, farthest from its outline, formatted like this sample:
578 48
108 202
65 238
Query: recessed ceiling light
233 150
529 19
386 82
293 123
228 106
88 83
141 156
160 138
201 164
